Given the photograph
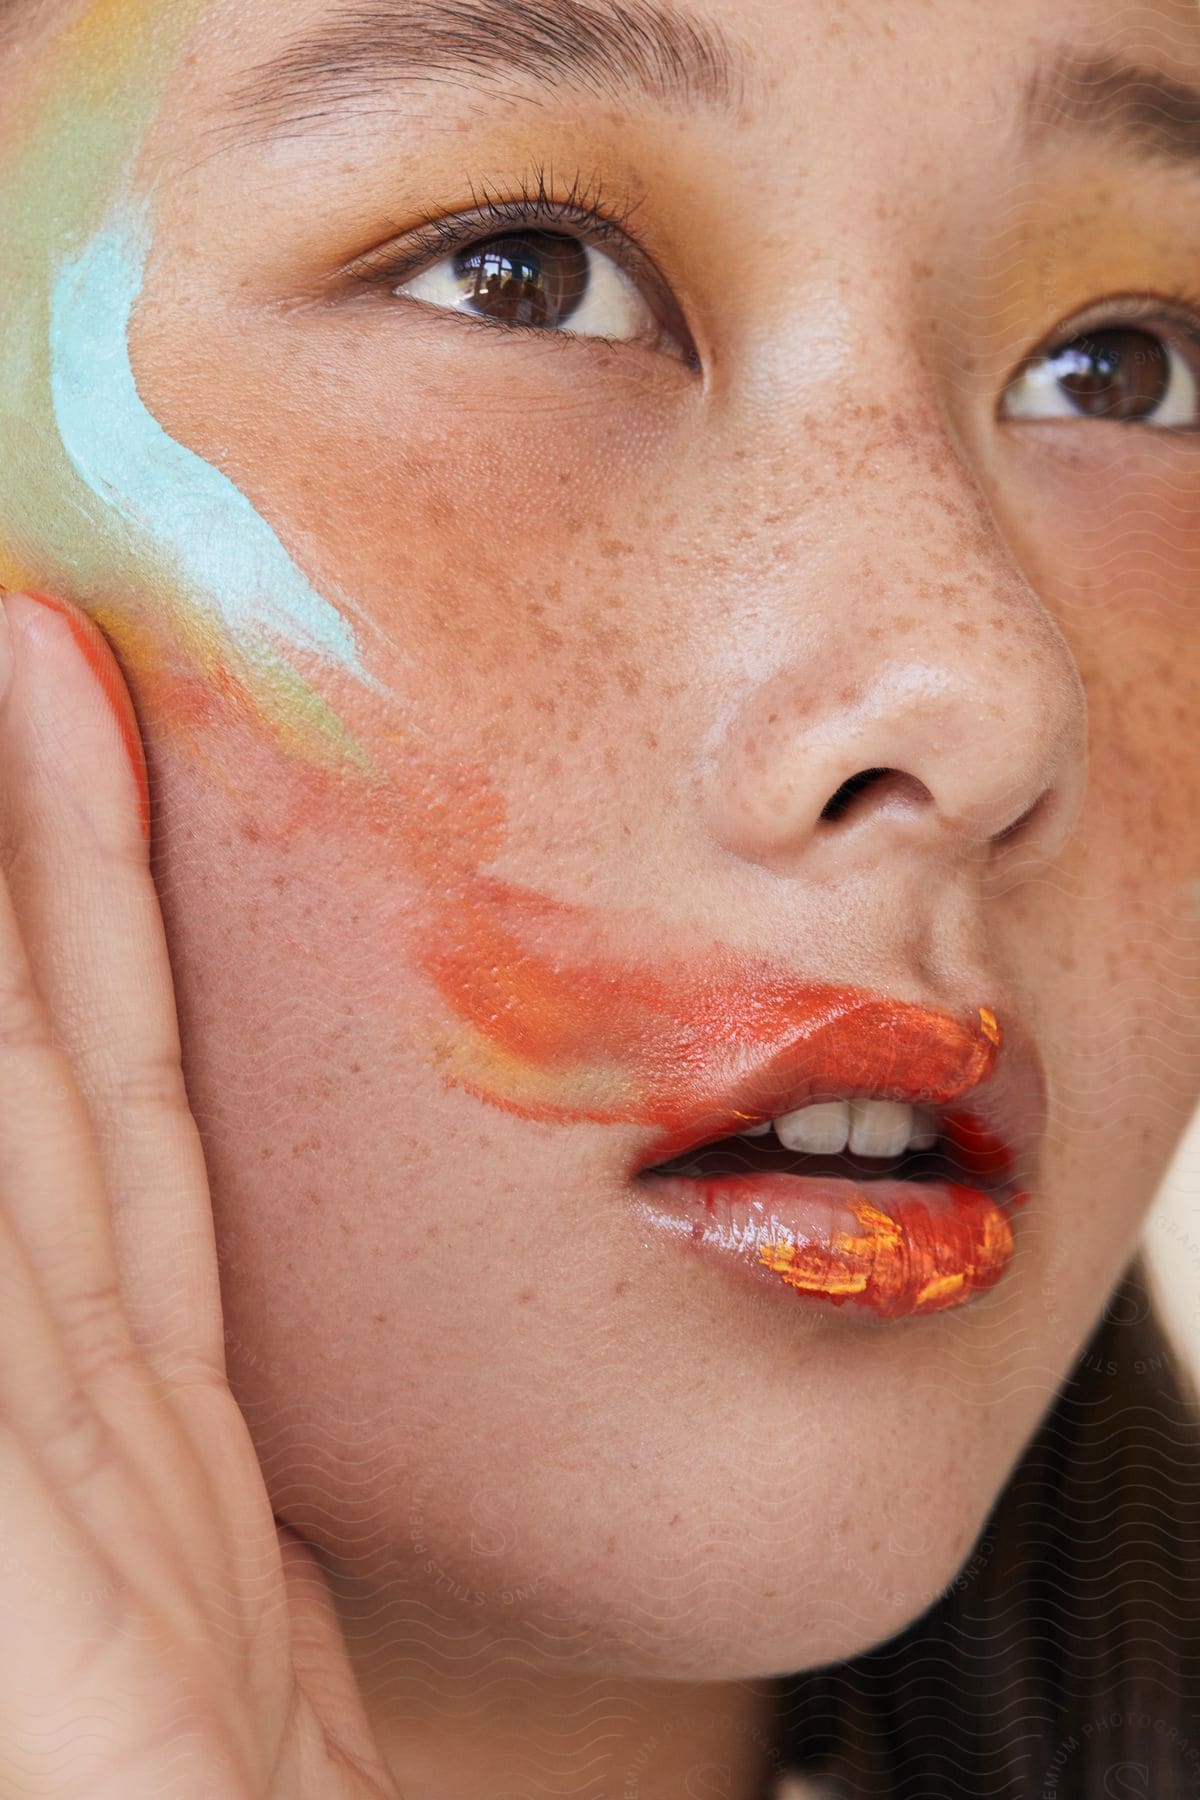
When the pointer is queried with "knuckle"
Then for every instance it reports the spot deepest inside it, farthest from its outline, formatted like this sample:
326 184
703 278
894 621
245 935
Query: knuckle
153 1084
77 1443
95 1327
24 1023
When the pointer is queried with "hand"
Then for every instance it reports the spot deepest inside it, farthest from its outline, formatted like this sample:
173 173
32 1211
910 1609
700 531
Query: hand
160 1636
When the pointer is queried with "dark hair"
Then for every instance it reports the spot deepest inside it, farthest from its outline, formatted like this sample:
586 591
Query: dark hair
1063 1663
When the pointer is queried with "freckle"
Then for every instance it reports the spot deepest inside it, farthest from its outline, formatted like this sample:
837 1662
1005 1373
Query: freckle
621 1288
651 740
965 628
379 1318
610 1547
675 1518
355 1068
526 1295
433 1233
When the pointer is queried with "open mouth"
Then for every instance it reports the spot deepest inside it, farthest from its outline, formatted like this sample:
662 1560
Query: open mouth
947 1159
919 1230
740 1154
874 1160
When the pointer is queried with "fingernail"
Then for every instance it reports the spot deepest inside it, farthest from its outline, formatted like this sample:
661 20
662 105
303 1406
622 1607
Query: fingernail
90 644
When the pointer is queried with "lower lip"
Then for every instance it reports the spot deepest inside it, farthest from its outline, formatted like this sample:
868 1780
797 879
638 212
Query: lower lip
897 1249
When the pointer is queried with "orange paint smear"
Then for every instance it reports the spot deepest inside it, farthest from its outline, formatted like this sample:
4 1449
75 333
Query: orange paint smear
100 660
910 1261
671 1037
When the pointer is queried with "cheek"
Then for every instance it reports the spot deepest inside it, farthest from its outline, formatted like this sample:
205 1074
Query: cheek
1106 946
470 497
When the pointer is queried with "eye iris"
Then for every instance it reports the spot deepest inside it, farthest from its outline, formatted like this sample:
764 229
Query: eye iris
1115 374
528 278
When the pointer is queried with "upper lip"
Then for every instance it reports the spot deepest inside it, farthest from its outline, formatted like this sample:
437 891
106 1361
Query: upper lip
980 1060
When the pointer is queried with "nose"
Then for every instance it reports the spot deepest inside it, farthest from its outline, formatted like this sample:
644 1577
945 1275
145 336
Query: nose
918 718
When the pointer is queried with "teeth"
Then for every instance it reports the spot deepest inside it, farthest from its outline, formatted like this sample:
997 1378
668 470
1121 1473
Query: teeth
866 1127
925 1133
757 1130
879 1127
821 1130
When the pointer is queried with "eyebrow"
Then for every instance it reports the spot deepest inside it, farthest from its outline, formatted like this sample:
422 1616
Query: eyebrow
1150 113
613 50
616 49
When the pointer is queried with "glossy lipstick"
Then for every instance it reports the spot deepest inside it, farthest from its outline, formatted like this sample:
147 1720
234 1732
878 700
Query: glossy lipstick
828 1228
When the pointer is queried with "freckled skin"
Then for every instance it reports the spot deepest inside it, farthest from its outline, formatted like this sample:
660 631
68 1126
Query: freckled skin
639 636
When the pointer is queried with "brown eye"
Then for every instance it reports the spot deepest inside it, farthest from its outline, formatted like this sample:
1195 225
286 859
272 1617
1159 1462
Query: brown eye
546 280
534 278
1117 373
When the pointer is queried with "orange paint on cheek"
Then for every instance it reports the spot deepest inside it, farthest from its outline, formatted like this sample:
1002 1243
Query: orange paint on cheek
913 1260
99 658
552 1035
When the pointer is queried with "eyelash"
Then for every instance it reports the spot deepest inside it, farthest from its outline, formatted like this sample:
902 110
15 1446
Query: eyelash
532 207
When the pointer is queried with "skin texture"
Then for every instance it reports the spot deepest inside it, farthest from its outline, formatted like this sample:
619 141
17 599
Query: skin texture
578 644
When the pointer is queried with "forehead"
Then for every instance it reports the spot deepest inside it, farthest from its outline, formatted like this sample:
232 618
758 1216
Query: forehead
917 74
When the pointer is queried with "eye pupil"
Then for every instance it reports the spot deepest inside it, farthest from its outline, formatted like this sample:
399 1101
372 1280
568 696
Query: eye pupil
1114 374
525 278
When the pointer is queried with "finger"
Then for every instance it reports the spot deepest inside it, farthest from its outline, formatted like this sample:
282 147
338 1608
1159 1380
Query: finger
95 1526
93 1698
52 1193
83 889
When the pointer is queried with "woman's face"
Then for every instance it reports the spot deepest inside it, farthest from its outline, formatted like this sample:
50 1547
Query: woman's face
496 679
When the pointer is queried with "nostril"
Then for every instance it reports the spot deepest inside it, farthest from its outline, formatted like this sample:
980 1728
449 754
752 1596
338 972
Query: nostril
1019 825
840 802
891 781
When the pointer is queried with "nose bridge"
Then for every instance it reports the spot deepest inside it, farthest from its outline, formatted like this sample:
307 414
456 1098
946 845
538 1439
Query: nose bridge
930 705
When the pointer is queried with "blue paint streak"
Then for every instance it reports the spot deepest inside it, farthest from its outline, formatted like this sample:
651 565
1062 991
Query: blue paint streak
225 556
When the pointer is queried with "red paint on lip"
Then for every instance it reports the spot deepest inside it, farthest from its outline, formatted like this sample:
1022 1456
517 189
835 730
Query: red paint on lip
698 1048
892 1247
92 646
911 1259
846 1042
